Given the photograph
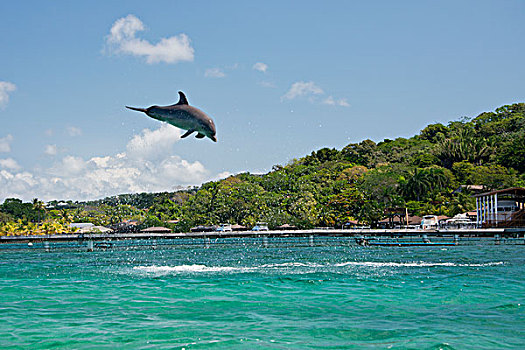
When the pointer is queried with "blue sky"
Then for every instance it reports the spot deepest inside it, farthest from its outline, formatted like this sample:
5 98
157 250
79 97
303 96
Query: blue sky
280 79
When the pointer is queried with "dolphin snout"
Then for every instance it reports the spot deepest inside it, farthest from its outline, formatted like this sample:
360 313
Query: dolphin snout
137 109
213 138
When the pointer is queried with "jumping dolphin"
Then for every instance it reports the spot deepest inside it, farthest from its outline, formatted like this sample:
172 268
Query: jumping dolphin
183 116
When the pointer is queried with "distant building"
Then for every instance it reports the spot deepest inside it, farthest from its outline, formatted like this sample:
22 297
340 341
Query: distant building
81 225
126 226
237 227
203 228
87 227
224 228
156 230
286 227
502 208
393 221
472 188
430 222
459 221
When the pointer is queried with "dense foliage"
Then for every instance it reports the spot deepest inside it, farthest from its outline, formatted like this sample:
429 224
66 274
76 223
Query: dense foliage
428 173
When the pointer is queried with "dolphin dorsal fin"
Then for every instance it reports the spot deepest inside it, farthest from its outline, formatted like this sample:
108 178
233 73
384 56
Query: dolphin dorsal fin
182 99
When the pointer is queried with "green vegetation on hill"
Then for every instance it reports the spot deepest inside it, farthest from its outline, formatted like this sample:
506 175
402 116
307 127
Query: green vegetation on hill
427 173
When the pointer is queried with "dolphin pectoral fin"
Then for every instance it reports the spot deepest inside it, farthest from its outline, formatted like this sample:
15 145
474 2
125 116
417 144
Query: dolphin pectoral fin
200 136
187 133
182 99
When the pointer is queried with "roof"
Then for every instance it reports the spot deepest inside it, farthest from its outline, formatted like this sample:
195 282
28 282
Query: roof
517 191
156 229
81 224
473 187
352 222
94 229
412 219
286 226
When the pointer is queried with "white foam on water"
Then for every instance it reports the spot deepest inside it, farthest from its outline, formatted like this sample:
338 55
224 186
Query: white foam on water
298 267
412 264
291 264
186 268
485 264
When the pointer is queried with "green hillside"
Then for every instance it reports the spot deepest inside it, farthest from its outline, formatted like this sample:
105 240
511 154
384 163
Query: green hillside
427 173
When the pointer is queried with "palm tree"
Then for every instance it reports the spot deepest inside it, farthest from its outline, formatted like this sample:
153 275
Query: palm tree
464 145
417 185
39 207
437 178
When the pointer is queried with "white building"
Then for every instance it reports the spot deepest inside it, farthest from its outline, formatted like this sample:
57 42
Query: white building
503 208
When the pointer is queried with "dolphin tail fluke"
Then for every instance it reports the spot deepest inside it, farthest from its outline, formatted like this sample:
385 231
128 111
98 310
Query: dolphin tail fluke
137 109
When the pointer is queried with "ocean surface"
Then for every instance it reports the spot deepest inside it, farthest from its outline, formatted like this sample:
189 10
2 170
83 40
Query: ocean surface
242 294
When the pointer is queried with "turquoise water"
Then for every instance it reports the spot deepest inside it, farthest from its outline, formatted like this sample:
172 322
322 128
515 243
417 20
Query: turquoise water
247 296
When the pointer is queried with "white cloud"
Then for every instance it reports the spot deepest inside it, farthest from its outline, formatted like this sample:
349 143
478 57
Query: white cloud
147 165
16 185
74 131
153 144
333 102
5 88
5 143
214 73
9 163
176 169
51 150
302 88
122 39
261 67
70 165
313 92
220 176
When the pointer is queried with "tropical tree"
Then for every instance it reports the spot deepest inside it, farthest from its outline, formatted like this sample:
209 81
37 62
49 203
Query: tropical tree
513 153
424 182
9 228
40 208
463 145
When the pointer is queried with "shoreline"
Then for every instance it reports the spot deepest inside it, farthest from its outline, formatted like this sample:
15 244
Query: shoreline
356 233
